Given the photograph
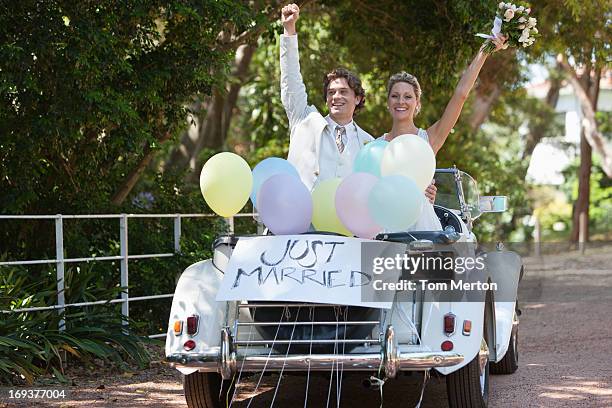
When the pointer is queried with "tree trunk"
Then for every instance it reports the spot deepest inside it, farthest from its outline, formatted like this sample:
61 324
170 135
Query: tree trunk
244 53
211 127
592 134
590 86
537 132
128 184
581 206
483 104
498 69
179 158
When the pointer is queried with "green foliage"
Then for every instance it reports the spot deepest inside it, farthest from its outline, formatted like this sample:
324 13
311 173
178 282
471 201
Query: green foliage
100 237
554 213
31 343
87 87
600 197
575 28
555 207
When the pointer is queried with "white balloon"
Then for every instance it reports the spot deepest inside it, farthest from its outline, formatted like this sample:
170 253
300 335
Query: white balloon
409 156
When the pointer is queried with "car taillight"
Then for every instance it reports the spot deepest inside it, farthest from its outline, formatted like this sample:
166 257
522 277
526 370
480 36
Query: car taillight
449 324
178 327
467 327
192 325
447 345
189 345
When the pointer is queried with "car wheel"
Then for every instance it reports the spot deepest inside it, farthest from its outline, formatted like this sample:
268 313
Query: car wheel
207 390
468 387
509 364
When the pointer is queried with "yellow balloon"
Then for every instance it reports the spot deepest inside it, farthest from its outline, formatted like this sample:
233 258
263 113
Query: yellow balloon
324 217
226 181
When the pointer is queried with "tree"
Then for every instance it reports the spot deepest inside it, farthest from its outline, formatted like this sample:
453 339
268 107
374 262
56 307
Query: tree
498 73
211 118
580 34
91 90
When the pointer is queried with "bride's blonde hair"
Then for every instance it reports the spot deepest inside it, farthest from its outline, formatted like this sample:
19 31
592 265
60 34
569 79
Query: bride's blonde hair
410 79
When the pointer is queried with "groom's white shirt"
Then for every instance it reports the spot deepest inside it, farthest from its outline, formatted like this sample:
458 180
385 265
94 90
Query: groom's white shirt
312 146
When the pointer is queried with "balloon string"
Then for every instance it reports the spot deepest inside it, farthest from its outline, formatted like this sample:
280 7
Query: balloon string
245 354
267 359
280 377
310 354
339 391
331 377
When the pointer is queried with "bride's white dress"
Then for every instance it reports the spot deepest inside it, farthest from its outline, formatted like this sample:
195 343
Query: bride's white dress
428 221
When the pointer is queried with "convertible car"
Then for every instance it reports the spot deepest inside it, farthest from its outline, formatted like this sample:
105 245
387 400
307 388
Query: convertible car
459 321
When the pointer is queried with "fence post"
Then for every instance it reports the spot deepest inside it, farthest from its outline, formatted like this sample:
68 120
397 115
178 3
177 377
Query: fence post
59 256
230 223
537 237
177 233
123 238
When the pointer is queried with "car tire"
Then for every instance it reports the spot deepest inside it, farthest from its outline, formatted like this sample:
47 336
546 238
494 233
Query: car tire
508 364
468 387
207 390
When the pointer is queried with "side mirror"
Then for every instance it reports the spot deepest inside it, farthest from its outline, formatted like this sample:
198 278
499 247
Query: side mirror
493 204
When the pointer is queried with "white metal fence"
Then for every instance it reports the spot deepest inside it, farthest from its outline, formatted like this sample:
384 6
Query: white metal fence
124 257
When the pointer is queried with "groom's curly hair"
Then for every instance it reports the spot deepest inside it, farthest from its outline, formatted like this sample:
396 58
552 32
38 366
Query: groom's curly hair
353 81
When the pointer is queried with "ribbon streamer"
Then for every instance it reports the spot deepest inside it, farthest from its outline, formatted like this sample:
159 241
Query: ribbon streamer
310 353
280 376
285 311
229 405
497 23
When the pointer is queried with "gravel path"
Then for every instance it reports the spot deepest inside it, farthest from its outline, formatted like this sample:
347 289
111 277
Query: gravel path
565 356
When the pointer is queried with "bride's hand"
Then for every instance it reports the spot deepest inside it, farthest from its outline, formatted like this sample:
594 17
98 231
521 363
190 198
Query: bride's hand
430 192
500 42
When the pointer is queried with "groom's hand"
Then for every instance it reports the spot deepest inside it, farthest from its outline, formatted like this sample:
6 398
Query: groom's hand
289 15
430 192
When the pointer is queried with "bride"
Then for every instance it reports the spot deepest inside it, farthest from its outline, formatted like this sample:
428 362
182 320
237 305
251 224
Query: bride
404 103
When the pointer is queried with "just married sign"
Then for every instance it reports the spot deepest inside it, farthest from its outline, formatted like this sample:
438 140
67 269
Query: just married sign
308 268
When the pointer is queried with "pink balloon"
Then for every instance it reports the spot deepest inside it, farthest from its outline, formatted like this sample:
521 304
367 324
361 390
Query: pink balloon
352 204
285 205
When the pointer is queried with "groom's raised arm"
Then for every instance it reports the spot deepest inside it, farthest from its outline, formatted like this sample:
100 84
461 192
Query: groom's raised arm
293 90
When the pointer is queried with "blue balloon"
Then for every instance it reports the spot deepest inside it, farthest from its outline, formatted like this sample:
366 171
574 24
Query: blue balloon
266 169
395 203
369 158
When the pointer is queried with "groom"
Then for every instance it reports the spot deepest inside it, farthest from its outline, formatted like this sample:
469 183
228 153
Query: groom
321 147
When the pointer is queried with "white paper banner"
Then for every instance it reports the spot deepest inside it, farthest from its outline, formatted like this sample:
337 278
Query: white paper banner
307 268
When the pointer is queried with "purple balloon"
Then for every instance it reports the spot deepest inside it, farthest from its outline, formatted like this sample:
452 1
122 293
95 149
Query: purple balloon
285 205
352 204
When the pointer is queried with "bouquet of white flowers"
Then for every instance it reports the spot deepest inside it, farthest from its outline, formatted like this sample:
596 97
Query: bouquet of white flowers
513 22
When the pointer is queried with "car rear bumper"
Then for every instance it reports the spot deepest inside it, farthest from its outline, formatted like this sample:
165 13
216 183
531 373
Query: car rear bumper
226 361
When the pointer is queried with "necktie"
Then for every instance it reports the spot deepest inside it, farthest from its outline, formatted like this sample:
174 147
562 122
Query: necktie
340 133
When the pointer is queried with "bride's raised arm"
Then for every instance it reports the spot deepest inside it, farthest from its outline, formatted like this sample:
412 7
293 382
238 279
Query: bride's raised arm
438 132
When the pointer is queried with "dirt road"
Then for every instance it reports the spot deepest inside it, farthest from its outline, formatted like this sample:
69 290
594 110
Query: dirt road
565 351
